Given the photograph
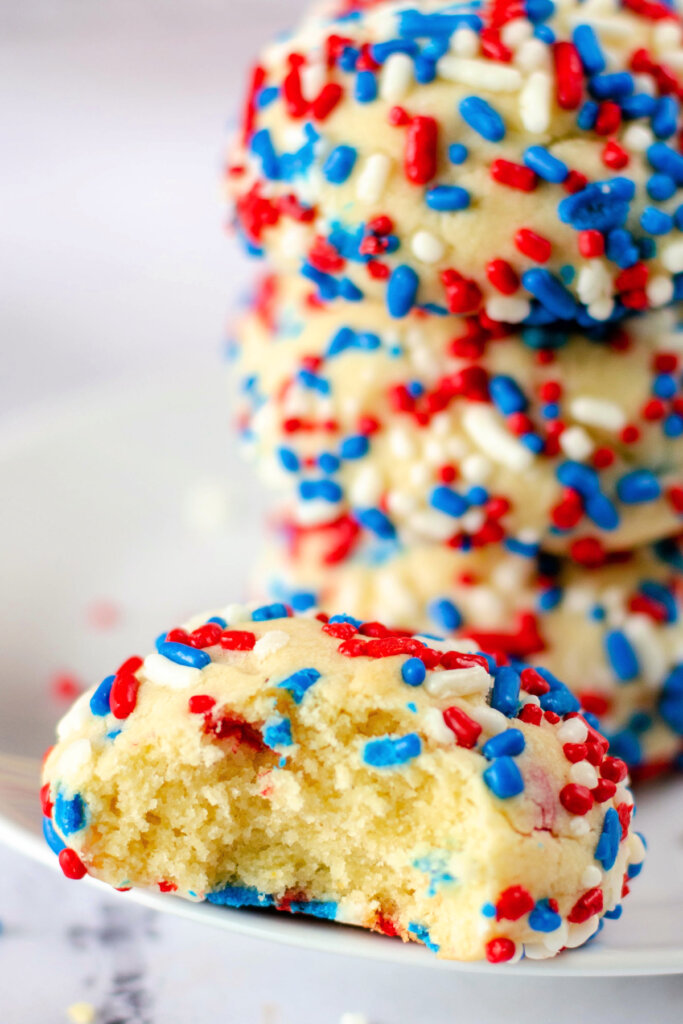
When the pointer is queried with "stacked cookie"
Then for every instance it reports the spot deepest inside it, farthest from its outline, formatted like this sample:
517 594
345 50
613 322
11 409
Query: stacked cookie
461 374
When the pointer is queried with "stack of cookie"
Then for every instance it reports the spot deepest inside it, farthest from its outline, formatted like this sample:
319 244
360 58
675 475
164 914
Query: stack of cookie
461 374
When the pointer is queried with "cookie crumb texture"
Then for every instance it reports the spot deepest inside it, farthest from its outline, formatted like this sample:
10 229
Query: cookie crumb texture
333 768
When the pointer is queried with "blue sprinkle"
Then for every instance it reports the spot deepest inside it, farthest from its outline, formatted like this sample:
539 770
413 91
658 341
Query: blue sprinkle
269 611
218 621
539 10
445 614
550 292
673 425
299 683
504 778
302 600
664 385
348 58
639 487
413 672
613 85
313 382
489 910
550 411
457 153
527 549
324 490
656 222
288 459
278 733
589 50
339 165
626 745
262 147
621 656
549 599
69 815
448 501
376 521
326 909
578 477
671 701
608 844
505 694
621 248
422 935
366 87
354 447
506 744
381 52
587 116
346 618
641 104
240 896
477 496
545 164
54 841
181 654
388 752
601 511
534 442
447 198
99 702
402 291
507 395
614 915
602 205
111 736
425 69
412 707
482 118
663 596
660 187
543 919
545 34
665 159
561 701
328 462
665 119
267 96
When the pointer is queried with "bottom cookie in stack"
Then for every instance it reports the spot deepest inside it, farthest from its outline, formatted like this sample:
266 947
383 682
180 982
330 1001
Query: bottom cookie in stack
614 633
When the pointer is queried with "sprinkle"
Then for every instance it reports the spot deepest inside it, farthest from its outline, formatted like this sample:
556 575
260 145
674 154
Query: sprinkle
99 702
536 247
501 950
569 76
621 656
427 247
162 672
277 733
299 683
543 918
506 744
513 903
388 753
69 814
339 165
513 175
373 177
588 49
550 292
507 396
448 501
396 77
421 150
485 429
458 682
576 799
181 654
504 778
639 487
413 672
402 291
447 198
610 838
71 864
535 101
545 165
464 728
445 614
482 118
597 412
505 694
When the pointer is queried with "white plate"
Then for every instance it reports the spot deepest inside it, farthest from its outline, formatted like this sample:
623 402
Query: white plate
93 507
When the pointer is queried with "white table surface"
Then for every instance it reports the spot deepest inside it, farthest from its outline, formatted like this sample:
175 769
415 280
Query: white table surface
113 262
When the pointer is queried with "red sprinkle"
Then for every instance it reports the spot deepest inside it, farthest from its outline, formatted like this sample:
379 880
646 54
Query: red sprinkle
502 276
576 799
421 150
167 886
534 683
465 729
586 906
591 243
604 790
124 695
614 768
238 640
200 704
45 801
531 714
575 752
329 97
71 864
498 951
513 175
609 118
536 247
569 76
514 903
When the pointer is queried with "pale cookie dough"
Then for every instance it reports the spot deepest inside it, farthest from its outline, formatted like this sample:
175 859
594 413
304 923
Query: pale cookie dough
435 429
471 159
405 785
614 634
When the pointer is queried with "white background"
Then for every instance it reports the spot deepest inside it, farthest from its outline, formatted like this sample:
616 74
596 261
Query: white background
114 264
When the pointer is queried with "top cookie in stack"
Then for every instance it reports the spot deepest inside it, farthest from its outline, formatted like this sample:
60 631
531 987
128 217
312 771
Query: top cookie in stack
471 215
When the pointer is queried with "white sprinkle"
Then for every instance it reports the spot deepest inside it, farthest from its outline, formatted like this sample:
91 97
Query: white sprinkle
638 138
508 308
76 717
491 721
396 77
313 78
488 433
465 42
473 520
427 247
480 74
400 503
646 639
591 877
434 525
401 443
372 179
532 55
578 826
235 613
601 309
458 682
516 32
313 513
584 774
659 290
435 727
476 469
74 757
572 731
594 282
578 934
671 256
623 795
666 35
576 444
270 643
597 412
535 101
637 849
366 488
167 673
